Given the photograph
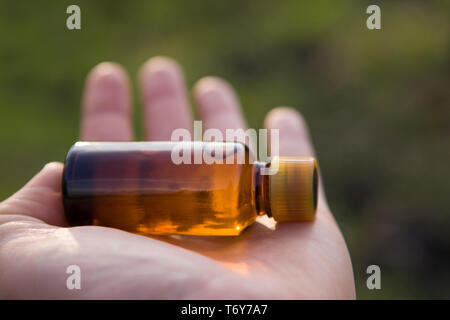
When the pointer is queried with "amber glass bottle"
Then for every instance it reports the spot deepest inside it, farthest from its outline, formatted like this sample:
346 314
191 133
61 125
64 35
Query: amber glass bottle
204 188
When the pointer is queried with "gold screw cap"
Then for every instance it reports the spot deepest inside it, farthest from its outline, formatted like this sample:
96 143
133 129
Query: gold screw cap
293 189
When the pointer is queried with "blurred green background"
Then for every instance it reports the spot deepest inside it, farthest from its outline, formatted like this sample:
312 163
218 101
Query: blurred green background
377 102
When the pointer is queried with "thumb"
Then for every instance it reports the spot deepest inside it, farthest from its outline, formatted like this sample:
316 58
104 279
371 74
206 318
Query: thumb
40 198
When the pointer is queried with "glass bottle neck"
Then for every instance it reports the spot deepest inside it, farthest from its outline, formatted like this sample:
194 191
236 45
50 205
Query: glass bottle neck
261 189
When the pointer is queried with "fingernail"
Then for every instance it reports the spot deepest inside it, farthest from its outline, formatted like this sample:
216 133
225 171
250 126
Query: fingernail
51 165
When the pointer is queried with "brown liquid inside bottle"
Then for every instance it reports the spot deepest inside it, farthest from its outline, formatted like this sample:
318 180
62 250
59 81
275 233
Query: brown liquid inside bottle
138 187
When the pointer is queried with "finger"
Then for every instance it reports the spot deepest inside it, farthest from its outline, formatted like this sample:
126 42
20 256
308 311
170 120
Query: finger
106 106
294 139
39 198
218 105
163 91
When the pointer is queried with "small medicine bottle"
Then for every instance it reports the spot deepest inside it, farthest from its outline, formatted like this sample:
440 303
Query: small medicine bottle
190 188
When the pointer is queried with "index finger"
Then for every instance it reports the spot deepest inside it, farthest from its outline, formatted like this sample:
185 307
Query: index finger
293 132
294 138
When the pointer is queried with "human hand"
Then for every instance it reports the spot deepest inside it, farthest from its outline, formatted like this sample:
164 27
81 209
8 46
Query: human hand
287 261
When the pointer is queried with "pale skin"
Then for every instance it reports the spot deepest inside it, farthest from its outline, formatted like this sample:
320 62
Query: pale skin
267 261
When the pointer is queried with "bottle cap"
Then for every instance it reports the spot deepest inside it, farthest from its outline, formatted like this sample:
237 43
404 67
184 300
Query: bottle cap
293 189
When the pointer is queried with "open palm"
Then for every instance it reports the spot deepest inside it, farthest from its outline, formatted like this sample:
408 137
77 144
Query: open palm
268 261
